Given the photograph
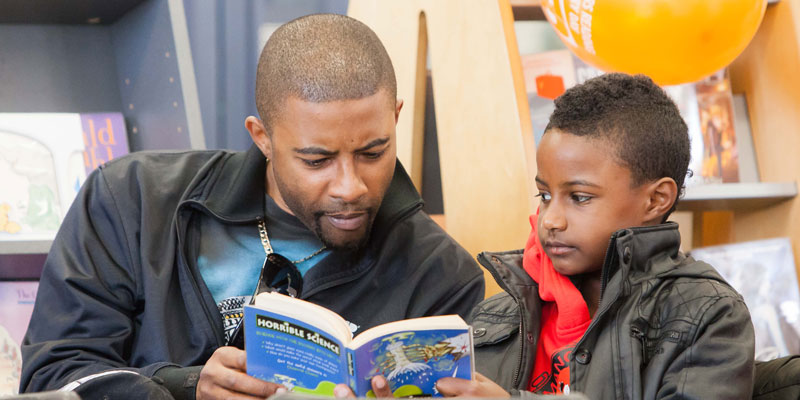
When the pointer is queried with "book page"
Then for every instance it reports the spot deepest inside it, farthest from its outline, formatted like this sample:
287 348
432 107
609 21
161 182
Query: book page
412 361
414 324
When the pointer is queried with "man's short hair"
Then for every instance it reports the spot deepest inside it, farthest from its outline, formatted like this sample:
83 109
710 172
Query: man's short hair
321 58
636 117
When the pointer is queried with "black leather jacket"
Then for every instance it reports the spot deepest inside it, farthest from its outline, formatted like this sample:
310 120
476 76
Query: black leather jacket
667 326
120 289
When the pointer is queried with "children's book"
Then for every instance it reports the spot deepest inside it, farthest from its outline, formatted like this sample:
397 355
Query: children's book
715 103
309 349
44 159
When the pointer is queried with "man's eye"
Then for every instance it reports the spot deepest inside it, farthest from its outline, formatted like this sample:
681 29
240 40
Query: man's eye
373 155
544 196
315 163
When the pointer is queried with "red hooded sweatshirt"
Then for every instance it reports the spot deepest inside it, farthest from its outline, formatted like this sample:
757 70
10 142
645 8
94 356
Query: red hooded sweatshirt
565 318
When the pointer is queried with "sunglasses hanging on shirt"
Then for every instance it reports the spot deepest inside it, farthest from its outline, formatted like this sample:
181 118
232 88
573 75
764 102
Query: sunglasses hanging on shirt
278 274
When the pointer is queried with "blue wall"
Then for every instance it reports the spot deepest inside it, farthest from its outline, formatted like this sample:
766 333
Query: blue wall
224 37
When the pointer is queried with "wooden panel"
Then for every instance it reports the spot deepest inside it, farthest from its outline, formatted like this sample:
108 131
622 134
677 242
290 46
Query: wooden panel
482 118
767 73
712 228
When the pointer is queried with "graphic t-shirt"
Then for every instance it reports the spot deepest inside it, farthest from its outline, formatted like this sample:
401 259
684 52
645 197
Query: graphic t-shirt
231 257
551 372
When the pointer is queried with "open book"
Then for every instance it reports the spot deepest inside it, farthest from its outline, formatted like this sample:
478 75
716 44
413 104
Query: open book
309 349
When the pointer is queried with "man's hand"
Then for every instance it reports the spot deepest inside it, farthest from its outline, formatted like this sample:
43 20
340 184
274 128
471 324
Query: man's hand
379 386
481 386
224 377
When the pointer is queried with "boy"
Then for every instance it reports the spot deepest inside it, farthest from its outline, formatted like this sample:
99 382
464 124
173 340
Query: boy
602 301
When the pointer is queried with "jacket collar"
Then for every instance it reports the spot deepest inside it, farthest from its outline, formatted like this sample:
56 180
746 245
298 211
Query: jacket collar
644 252
638 253
236 192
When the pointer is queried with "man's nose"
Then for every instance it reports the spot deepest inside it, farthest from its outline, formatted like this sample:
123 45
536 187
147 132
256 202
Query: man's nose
348 185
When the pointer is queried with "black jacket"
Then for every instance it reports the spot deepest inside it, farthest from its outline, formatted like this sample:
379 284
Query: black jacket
120 288
667 326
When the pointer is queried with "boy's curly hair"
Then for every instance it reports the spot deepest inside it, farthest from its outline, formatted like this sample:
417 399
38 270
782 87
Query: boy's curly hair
636 117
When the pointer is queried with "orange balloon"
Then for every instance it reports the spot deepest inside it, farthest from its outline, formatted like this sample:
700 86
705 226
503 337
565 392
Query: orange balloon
671 41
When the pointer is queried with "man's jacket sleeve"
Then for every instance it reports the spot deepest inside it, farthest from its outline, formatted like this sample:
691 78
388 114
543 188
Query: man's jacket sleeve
455 276
719 362
83 323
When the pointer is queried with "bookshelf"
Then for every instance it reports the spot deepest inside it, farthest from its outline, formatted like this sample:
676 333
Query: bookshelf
83 56
736 196
723 213
766 72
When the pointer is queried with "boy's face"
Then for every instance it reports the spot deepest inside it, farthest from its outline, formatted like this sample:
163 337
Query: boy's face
586 195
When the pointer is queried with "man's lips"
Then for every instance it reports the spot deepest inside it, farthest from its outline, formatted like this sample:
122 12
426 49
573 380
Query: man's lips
556 248
348 221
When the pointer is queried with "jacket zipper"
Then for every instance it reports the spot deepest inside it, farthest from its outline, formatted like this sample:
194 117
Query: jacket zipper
603 283
500 282
638 334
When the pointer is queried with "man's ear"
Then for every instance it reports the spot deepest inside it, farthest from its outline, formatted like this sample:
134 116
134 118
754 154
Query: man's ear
398 107
259 135
662 194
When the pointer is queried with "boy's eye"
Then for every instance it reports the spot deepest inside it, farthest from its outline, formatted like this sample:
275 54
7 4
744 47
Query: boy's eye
315 163
579 198
544 196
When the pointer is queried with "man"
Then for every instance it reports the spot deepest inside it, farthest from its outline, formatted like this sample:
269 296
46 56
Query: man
145 281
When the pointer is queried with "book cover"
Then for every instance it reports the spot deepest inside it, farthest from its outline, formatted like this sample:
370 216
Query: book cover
548 75
44 160
715 103
104 139
763 272
295 354
312 350
16 307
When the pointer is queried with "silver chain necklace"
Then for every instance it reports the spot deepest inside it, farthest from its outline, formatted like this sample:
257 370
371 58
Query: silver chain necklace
262 231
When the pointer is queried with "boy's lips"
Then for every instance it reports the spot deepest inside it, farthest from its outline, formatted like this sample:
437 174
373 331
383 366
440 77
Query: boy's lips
556 248
348 221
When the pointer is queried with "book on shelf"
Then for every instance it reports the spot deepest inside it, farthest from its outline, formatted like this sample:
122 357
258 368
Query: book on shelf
763 272
309 349
720 162
44 159
547 75
719 128
16 307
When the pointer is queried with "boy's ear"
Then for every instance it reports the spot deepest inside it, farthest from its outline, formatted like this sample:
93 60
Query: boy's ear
662 194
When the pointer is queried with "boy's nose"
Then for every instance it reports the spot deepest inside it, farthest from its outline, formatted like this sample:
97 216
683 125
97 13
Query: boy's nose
553 218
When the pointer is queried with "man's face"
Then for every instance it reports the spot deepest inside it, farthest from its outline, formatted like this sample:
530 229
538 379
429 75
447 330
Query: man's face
331 164
586 196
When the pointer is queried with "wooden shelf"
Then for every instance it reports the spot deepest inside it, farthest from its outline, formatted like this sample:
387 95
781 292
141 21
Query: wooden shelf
41 246
736 196
527 10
